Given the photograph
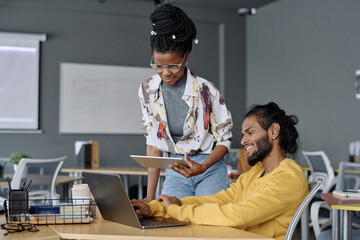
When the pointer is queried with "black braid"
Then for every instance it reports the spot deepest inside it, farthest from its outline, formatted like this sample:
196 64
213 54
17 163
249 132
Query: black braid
169 21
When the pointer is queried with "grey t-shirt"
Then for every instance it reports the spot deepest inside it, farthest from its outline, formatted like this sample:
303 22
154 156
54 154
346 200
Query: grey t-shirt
176 108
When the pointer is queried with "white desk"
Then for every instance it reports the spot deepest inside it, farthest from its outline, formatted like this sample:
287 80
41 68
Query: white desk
102 229
44 233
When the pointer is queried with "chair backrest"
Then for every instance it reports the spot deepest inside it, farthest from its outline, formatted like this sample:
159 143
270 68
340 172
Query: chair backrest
48 179
349 176
300 211
321 169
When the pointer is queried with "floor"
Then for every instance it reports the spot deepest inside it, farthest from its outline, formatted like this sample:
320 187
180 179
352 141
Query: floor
297 234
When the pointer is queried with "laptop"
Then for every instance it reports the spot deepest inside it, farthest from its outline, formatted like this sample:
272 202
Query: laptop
114 204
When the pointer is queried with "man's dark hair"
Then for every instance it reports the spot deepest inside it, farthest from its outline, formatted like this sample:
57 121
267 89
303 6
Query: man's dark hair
173 30
270 113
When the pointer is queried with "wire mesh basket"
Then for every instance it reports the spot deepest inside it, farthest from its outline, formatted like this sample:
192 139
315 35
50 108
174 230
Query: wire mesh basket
50 211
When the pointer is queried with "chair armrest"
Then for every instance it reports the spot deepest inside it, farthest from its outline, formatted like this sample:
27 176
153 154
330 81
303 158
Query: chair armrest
314 215
330 185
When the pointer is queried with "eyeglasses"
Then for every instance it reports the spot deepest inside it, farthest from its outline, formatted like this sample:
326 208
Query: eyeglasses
174 67
12 228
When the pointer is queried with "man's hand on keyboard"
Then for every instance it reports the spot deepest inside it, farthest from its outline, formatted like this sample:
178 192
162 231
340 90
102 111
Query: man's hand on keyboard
141 208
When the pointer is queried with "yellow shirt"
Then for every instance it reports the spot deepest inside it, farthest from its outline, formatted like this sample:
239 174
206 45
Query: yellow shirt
263 205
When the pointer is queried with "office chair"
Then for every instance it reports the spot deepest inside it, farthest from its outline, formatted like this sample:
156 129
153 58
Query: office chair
43 182
44 179
300 211
321 169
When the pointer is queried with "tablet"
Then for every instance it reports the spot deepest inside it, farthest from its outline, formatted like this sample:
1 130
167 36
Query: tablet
157 162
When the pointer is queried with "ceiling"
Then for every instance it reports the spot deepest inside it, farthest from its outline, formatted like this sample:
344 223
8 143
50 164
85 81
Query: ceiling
229 5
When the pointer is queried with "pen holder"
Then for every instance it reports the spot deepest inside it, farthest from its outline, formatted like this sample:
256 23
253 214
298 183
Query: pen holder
18 201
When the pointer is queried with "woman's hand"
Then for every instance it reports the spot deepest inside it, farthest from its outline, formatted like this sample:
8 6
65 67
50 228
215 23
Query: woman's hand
168 200
141 208
147 199
193 169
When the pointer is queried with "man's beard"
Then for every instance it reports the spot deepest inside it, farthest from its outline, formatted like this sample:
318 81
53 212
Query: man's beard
264 148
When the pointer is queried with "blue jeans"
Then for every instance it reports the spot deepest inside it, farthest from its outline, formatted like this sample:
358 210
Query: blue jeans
210 182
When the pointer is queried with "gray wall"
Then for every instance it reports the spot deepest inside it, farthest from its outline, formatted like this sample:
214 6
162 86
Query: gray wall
115 33
303 55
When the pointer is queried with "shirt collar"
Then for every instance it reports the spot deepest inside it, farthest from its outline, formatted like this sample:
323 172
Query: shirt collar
190 88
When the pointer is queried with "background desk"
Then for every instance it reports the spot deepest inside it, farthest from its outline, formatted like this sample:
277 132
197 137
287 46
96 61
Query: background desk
307 170
102 229
347 206
61 179
124 171
64 181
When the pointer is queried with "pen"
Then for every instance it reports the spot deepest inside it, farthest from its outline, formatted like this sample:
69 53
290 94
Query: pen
29 185
23 186
8 180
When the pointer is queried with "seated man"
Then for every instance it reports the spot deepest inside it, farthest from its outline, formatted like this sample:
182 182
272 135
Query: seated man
264 199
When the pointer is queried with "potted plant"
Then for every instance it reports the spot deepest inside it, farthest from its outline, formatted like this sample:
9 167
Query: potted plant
16 157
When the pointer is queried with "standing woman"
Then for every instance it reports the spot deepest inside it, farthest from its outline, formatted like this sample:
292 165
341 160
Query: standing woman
184 115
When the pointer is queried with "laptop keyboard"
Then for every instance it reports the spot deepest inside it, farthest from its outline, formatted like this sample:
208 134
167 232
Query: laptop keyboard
152 222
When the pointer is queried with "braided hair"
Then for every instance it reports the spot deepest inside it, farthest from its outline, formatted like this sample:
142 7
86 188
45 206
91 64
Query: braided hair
270 113
173 30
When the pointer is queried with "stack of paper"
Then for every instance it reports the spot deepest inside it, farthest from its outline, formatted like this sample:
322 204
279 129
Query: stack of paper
74 211
347 194
81 194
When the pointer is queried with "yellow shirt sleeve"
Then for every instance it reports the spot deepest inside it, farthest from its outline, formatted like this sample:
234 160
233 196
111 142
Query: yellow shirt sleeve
158 209
265 200
222 197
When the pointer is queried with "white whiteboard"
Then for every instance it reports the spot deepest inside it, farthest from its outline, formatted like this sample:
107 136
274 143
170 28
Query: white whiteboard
101 99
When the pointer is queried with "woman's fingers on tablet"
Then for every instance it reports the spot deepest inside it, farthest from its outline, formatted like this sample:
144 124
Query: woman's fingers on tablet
180 169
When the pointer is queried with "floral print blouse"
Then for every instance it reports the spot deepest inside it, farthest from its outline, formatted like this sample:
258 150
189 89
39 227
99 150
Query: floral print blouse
207 121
